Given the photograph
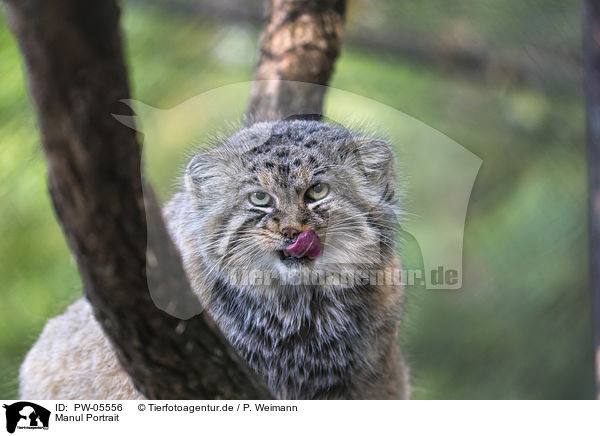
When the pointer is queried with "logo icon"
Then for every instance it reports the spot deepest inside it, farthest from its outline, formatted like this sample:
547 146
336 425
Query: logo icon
26 415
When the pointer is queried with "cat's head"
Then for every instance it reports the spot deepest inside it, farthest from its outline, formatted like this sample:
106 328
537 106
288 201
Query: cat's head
256 192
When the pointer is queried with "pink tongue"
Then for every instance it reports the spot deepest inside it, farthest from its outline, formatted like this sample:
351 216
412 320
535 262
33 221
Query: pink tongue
308 244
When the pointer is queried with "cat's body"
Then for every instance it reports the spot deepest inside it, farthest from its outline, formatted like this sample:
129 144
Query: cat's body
321 326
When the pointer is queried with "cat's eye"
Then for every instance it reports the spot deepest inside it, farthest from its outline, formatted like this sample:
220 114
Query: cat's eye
317 192
260 198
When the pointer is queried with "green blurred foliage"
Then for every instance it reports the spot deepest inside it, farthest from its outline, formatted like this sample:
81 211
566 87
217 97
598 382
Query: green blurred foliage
519 328
497 23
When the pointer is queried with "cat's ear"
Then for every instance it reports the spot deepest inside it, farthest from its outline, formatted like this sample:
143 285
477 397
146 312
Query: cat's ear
200 174
377 161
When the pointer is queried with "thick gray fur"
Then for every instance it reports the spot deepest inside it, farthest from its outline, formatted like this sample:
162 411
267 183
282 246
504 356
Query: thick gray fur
329 340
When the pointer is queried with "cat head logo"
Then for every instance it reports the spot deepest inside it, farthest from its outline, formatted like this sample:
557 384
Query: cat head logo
436 173
26 416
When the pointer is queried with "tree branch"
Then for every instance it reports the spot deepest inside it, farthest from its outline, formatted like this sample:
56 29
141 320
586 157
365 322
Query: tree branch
299 45
77 76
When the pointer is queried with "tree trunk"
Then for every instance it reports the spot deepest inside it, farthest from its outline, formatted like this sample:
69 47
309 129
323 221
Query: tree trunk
77 76
592 93
299 45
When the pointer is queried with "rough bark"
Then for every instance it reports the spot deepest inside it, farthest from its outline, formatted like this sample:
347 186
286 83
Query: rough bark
77 77
299 44
592 93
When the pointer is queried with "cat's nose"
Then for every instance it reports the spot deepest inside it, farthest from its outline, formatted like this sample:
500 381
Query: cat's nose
290 232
